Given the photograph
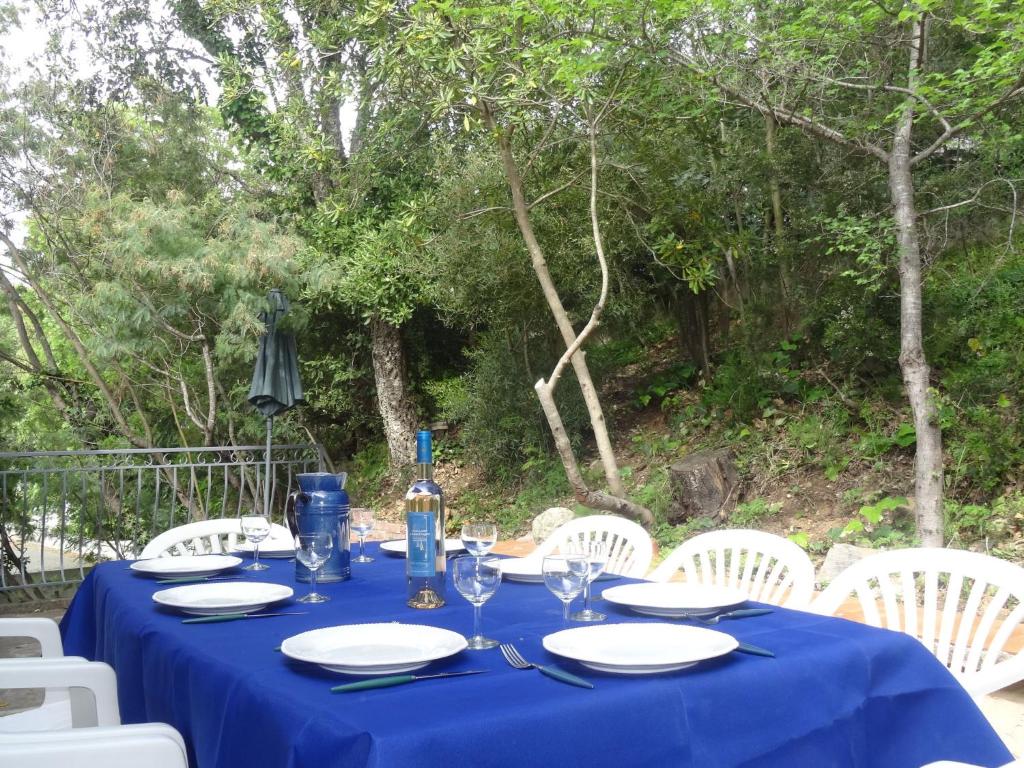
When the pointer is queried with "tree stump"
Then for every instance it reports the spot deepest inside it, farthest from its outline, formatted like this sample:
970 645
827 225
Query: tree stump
702 485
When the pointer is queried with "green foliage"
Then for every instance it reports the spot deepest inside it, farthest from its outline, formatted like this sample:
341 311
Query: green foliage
369 472
664 384
885 523
751 514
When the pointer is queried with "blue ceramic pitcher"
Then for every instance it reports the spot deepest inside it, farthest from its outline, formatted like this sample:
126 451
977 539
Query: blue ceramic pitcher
321 506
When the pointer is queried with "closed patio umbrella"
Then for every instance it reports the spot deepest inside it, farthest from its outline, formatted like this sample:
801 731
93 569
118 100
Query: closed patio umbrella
275 383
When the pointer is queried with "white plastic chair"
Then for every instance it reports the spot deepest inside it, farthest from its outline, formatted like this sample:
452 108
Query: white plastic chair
73 673
153 745
211 537
55 711
768 568
962 605
629 546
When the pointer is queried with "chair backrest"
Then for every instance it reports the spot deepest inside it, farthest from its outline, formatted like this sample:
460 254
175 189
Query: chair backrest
70 672
153 745
963 606
42 630
768 568
55 711
629 546
210 537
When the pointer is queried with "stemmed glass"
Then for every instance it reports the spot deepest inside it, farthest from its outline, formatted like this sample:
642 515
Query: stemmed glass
479 538
313 550
477 580
256 528
597 558
565 576
362 524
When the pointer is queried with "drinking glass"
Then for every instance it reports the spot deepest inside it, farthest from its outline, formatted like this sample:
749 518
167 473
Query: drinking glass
565 576
362 524
256 528
597 557
479 538
476 580
312 550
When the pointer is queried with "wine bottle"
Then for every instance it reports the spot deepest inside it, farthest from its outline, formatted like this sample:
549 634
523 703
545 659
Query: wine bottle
424 521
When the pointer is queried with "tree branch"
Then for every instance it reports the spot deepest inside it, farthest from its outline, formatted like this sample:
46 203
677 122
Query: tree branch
1013 92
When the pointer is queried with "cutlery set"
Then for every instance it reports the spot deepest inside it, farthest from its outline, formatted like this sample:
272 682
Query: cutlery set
508 651
235 616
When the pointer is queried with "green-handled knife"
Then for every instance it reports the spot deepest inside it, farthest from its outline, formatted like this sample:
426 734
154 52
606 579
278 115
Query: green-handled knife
754 650
387 682
233 616
194 579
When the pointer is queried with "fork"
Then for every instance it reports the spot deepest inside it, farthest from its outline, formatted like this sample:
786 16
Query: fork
712 620
515 659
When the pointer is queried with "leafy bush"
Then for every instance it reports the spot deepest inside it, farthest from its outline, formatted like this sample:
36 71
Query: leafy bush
503 424
749 514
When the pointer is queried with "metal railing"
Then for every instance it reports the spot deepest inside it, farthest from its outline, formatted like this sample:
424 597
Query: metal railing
63 511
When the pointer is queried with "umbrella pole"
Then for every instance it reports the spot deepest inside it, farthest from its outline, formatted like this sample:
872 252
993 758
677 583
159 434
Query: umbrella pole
266 478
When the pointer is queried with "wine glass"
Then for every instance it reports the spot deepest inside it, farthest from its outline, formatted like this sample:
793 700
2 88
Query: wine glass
256 528
477 580
565 576
479 538
313 550
362 524
597 557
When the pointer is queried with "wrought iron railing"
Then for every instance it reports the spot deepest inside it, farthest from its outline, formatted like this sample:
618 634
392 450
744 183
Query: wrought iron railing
63 511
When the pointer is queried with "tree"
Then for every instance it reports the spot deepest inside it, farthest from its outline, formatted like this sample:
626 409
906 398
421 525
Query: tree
508 69
284 85
900 82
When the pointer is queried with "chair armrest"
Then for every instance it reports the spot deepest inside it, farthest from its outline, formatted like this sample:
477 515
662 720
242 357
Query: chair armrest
69 672
154 745
45 631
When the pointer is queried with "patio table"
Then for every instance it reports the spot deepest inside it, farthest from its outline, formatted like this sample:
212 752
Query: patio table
836 694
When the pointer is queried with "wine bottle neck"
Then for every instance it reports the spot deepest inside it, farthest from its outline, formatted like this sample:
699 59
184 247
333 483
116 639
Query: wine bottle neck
425 471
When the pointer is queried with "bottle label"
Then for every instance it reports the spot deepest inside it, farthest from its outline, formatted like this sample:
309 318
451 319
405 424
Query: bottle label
422 543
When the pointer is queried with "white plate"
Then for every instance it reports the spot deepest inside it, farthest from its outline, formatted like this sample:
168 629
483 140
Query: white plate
220 597
526 569
185 565
639 649
277 552
674 599
373 649
398 546
529 570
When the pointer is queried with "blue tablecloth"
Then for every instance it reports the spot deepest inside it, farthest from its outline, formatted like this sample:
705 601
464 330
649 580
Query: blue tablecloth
837 694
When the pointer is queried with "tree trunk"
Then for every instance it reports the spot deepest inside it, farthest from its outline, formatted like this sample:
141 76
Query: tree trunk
778 228
584 495
396 409
521 211
692 323
913 364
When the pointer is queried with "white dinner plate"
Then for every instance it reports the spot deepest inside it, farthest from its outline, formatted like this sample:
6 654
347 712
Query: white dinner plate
272 552
639 649
215 598
674 599
185 565
529 570
373 649
398 546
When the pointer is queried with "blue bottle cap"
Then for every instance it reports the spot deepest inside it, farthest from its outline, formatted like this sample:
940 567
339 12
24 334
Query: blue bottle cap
424 447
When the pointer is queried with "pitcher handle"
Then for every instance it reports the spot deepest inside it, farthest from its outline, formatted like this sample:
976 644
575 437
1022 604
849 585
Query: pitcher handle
289 512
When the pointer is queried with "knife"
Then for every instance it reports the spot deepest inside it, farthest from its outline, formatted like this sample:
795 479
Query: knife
754 650
190 579
387 682
233 616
